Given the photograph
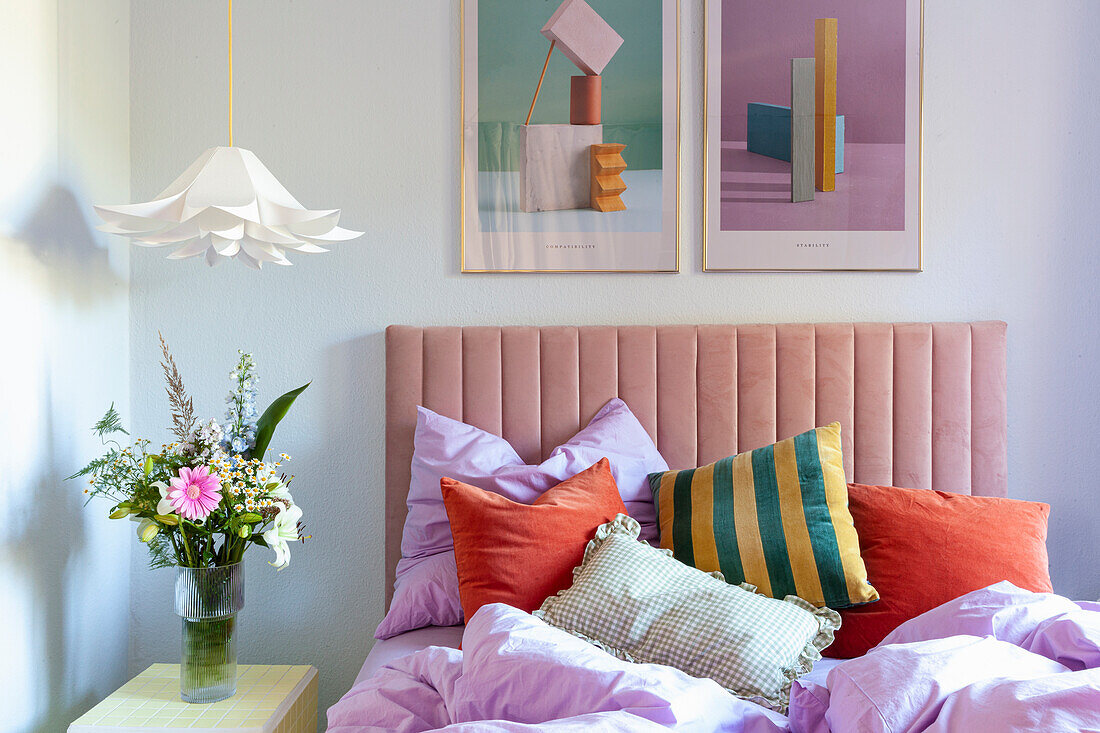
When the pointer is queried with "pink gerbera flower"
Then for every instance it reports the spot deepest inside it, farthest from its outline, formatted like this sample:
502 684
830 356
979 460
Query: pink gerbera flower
195 493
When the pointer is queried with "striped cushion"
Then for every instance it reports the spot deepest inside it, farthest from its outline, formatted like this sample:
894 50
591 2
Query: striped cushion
776 517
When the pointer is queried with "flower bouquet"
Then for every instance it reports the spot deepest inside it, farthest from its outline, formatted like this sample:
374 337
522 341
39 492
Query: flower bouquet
200 502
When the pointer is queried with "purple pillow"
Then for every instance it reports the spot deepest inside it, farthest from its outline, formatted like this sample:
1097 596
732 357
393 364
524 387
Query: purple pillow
426 587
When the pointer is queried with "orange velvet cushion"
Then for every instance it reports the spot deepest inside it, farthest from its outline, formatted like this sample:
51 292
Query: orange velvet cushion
923 548
520 554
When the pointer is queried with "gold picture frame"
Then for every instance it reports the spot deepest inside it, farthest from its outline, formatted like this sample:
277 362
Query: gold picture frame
749 247
498 251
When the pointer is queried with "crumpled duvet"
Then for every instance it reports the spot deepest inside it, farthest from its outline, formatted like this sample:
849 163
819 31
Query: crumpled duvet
997 659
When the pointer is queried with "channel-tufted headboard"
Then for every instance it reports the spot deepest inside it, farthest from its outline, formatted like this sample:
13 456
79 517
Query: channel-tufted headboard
920 404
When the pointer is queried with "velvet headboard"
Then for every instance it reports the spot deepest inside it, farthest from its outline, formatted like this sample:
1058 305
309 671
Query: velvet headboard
920 404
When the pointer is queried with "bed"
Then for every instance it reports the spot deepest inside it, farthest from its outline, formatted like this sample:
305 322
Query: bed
920 405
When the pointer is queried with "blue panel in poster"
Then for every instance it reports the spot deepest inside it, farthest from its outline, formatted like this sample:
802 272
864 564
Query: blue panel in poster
770 133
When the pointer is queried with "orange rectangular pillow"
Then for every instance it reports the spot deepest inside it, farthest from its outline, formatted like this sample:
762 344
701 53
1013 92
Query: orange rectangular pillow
521 554
923 548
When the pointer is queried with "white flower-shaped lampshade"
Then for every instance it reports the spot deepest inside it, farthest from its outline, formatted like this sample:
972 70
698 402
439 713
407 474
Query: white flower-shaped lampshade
227 204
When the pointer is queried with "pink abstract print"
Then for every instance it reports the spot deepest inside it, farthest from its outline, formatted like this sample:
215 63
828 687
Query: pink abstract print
859 151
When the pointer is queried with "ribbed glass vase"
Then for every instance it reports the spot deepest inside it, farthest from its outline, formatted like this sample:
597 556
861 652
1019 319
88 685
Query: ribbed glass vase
208 600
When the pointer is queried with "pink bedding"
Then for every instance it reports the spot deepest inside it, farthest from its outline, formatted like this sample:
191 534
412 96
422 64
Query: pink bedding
386 651
1000 659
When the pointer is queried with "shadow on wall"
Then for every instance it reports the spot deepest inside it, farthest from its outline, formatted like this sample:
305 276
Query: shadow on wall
45 547
58 233
57 281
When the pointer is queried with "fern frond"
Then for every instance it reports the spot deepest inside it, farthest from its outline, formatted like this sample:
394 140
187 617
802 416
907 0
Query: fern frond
91 468
110 423
161 553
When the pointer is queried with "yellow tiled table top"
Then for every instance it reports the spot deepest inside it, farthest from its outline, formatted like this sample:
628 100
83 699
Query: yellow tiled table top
270 698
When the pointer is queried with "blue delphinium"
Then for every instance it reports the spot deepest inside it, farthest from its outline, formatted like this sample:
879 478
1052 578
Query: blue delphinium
240 417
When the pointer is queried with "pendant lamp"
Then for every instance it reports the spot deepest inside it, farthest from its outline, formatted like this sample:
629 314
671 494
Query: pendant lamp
227 204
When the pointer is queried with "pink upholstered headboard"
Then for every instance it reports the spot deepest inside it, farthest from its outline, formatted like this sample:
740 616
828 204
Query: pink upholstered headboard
920 404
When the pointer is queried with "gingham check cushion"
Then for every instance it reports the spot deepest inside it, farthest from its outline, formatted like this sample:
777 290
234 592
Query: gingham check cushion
642 605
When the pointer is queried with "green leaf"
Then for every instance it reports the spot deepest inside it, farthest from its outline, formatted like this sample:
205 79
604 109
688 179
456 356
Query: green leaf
276 411
195 529
92 467
109 423
259 540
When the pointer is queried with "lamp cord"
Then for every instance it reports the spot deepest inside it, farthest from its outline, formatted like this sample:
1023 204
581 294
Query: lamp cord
230 73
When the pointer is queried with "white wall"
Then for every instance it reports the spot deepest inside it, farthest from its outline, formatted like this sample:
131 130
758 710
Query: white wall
64 569
354 104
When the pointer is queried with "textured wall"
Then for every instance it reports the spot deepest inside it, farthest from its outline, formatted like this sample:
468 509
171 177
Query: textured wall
354 103
64 569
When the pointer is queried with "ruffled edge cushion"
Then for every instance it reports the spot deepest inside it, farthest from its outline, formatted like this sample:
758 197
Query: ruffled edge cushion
828 620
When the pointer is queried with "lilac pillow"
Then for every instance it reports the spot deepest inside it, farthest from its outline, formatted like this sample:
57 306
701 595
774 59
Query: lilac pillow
426 587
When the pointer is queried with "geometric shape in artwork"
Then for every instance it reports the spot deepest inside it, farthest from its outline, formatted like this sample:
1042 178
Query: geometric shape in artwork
538 87
825 50
802 130
584 99
554 167
769 132
607 165
839 147
582 35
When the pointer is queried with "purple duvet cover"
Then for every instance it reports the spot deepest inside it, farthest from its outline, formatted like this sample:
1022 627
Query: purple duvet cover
997 659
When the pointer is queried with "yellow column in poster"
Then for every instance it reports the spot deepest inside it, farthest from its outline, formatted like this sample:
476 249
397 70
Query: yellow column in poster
825 35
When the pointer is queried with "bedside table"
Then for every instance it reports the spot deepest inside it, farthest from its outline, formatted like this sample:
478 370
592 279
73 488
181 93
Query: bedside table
277 698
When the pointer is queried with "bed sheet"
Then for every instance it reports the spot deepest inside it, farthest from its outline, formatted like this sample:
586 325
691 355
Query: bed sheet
385 651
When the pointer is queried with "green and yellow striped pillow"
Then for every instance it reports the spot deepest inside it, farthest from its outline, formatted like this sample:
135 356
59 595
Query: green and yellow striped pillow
776 517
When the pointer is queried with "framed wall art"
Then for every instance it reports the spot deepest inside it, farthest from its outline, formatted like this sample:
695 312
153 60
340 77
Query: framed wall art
570 143
813 135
